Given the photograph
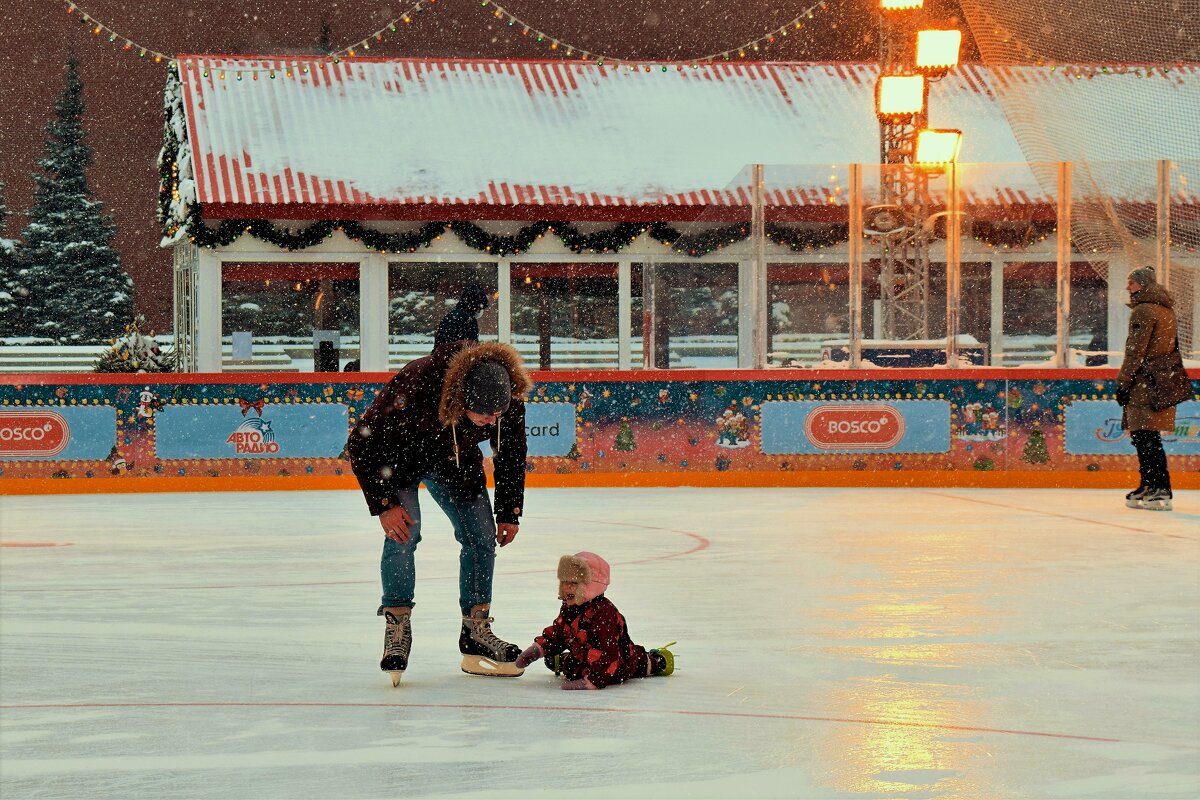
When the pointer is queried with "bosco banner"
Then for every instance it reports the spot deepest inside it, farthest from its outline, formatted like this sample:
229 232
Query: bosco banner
64 433
913 426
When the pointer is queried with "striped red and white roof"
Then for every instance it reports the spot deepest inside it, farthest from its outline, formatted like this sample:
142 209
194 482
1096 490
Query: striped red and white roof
471 138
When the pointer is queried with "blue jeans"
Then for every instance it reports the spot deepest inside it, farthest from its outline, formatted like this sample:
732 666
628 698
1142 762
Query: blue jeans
475 530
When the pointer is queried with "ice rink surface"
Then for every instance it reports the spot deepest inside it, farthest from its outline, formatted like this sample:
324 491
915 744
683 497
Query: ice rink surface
882 643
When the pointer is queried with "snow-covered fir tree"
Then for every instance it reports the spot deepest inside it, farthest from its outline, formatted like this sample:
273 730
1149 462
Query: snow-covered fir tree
78 292
325 40
11 292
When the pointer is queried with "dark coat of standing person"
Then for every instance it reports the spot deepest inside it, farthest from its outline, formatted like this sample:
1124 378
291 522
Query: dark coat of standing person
1152 333
426 426
462 322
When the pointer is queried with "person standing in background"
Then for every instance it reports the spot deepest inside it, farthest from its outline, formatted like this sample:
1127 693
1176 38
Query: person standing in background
462 322
1152 333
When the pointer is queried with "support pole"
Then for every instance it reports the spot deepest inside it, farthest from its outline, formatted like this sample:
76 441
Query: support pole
1162 242
373 334
504 301
855 244
759 299
1062 323
953 268
624 312
208 311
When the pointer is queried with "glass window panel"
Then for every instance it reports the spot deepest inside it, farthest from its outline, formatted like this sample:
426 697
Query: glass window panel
421 293
809 311
694 319
282 306
564 315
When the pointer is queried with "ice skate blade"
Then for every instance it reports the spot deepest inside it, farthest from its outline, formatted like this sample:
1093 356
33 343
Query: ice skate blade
1133 502
396 676
479 665
1160 505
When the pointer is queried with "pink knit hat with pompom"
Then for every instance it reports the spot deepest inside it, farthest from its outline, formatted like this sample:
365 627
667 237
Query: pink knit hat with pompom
588 571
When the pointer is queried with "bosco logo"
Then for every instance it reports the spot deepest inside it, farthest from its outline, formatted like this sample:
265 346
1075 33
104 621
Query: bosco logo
32 434
870 426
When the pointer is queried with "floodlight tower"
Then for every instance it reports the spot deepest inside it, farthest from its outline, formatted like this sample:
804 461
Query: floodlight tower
908 59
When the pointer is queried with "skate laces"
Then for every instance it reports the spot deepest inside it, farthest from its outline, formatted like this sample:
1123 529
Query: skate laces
397 638
484 635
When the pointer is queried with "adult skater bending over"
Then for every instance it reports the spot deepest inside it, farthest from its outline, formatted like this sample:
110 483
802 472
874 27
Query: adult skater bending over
426 426
589 642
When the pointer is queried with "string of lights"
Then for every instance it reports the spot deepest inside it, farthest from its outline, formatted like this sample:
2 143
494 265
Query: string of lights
562 46
100 28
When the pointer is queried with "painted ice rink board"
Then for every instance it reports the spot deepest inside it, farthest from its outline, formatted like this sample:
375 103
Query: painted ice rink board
832 643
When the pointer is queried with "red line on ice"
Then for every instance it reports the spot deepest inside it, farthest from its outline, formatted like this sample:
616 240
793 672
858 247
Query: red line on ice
489 707
1039 511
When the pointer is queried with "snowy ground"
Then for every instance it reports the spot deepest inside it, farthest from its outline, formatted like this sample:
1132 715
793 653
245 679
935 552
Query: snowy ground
832 643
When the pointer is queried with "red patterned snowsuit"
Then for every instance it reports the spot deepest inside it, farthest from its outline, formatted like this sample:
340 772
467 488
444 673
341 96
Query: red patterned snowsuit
595 644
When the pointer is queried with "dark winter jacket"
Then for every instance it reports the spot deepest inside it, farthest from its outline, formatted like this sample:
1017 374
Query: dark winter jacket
416 427
594 642
461 322
1152 332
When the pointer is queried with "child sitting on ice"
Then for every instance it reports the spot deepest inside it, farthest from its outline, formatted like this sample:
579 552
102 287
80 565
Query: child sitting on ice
588 642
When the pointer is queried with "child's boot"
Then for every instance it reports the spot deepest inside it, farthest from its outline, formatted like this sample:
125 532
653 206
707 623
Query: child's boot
662 660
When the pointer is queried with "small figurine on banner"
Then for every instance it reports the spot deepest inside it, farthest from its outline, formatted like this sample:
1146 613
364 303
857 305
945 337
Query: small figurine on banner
148 403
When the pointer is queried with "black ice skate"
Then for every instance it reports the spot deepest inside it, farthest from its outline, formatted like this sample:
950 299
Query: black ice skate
397 642
484 653
1155 500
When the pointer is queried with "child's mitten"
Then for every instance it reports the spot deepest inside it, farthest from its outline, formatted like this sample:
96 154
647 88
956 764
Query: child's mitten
529 655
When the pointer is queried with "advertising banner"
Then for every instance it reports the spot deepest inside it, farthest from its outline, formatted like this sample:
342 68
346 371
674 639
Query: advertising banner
274 431
550 428
898 426
63 433
1093 427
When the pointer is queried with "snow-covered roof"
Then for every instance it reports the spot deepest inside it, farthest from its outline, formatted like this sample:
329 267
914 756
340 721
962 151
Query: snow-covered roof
406 138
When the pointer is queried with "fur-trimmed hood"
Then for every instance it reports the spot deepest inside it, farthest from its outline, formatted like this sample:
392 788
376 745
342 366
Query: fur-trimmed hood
453 402
1155 293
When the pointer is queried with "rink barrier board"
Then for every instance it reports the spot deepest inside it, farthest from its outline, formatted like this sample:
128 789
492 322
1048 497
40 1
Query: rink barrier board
936 428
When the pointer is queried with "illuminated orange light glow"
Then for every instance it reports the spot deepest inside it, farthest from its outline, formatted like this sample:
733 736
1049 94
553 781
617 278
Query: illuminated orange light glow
901 95
938 49
937 146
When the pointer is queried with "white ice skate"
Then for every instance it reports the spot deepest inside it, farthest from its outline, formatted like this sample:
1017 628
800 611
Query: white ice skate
485 653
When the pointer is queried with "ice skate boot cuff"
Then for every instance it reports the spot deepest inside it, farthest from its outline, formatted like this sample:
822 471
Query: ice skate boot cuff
588 571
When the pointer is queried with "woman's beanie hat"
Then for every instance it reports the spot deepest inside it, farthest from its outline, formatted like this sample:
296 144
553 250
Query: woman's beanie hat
1143 276
488 388
586 570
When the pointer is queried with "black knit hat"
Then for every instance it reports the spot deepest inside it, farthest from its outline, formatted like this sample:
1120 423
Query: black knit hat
488 387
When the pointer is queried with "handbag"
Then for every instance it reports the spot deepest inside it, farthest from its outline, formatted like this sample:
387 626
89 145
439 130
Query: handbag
1167 380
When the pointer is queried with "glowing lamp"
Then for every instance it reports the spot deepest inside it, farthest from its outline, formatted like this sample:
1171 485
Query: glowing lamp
899 97
937 51
937 147
901 5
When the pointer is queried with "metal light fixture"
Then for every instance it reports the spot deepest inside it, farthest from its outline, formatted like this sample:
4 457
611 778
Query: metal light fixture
937 51
899 97
901 5
937 147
